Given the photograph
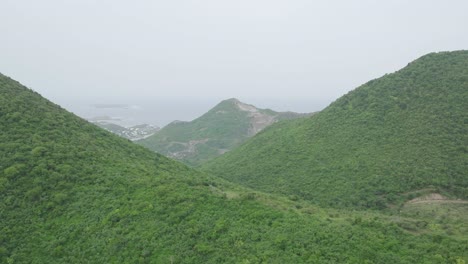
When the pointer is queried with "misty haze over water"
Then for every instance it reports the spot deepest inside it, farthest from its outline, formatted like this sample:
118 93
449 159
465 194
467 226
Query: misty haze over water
162 111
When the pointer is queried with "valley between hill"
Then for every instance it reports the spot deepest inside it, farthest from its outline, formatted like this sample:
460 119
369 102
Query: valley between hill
343 186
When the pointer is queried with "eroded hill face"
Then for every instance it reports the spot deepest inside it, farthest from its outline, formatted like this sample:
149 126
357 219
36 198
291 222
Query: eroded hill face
218 131
403 132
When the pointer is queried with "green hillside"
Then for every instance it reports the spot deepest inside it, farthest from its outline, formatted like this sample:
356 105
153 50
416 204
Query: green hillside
224 127
71 192
390 140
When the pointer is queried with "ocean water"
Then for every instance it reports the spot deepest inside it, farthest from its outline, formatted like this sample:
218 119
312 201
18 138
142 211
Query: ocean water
158 113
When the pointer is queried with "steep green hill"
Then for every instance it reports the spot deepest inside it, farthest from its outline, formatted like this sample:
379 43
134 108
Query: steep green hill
224 127
382 143
71 192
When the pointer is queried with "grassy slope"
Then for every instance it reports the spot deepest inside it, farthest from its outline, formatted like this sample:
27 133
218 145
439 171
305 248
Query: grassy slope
399 133
73 193
224 125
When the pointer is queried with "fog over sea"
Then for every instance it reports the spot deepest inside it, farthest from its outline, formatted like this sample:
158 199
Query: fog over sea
160 112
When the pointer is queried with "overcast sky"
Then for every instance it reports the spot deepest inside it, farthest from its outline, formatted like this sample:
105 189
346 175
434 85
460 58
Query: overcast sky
292 54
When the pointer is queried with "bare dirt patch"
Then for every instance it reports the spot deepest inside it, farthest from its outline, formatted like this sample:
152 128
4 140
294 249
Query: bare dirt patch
258 120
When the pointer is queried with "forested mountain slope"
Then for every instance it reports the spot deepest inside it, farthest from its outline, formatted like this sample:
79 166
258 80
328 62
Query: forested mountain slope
382 143
224 127
71 192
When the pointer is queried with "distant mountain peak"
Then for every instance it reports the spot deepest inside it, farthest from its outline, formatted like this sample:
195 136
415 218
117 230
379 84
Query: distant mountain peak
246 107
235 100
222 128
240 105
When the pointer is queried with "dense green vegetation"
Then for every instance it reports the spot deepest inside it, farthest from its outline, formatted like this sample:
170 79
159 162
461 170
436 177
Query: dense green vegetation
372 148
219 130
71 192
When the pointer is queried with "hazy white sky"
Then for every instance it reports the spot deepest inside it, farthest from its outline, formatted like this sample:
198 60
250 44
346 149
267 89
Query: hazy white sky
259 51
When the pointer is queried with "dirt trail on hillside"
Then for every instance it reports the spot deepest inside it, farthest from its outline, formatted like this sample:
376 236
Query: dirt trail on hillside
435 198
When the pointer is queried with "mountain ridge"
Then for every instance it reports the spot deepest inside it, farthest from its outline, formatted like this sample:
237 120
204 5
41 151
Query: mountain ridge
402 132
